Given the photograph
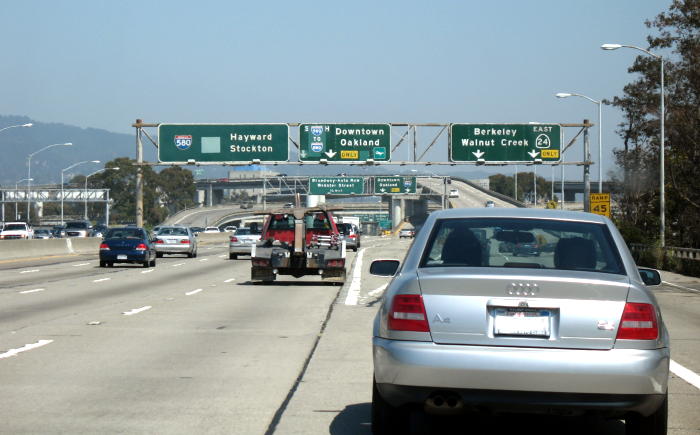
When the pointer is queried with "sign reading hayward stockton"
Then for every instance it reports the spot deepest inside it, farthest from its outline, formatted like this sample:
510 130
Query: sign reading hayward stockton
344 142
336 185
223 142
505 142
383 185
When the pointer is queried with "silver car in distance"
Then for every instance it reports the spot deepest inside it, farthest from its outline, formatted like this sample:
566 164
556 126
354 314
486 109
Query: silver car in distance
467 326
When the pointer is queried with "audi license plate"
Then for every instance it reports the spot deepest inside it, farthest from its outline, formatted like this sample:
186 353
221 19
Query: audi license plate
532 322
121 257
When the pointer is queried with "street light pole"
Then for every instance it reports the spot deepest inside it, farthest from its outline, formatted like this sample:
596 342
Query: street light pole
86 183
662 121
600 132
19 125
29 170
16 196
63 172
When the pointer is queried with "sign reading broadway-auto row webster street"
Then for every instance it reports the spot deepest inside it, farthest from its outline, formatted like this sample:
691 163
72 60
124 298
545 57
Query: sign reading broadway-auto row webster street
223 142
505 142
336 185
344 142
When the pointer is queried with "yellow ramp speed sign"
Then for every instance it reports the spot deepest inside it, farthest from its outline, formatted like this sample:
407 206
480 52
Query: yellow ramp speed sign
600 204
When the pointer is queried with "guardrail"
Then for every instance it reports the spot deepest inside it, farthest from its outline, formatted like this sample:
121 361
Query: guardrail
671 251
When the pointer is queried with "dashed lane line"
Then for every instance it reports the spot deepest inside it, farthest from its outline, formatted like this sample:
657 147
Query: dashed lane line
31 271
81 264
148 271
193 292
32 291
229 280
354 289
14 352
178 264
101 279
204 259
686 374
136 310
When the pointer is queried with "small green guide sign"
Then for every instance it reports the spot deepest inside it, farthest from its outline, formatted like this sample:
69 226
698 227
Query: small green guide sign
336 185
344 142
505 142
180 143
387 185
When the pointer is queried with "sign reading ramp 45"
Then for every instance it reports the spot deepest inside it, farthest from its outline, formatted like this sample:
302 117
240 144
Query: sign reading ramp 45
179 143
505 142
344 142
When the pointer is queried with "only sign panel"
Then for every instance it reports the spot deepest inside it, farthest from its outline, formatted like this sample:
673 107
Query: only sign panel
344 142
505 142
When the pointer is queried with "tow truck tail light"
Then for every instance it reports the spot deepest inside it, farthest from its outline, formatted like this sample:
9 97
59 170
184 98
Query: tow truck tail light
335 263
261 262
408 314
104 247
638 322
141 247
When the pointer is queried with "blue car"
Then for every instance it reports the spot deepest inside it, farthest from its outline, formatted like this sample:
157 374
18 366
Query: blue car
127 245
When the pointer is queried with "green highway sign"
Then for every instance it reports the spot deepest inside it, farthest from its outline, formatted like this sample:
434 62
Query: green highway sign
386 185
344 142
336 185
505 142
180 143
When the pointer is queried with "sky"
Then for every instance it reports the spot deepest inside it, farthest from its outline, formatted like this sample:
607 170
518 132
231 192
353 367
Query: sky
103 64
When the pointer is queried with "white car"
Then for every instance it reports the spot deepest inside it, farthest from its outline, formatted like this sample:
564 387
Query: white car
212 230
16 230
454 193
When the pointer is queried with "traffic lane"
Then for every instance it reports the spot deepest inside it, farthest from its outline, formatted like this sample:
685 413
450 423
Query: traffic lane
335 393
220 360
21 309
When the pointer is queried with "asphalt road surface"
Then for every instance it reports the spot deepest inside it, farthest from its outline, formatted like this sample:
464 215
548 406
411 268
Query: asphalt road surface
191 346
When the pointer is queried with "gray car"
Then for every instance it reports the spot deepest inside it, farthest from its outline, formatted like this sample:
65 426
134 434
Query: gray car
241 243
175 240
464 326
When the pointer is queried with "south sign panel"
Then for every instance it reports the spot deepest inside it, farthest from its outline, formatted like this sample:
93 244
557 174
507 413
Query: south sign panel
505 142
344 142
180 143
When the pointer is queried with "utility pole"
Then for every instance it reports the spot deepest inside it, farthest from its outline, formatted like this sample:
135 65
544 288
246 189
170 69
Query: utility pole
586 169
139 175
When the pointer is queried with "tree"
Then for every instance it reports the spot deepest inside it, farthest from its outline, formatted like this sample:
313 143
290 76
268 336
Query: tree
678 32
176 188
505 184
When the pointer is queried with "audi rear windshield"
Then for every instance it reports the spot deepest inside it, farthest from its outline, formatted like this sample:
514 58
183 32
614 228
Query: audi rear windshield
522 243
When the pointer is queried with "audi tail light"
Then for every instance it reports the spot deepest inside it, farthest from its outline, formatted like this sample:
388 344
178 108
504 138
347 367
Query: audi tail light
638 322
408 314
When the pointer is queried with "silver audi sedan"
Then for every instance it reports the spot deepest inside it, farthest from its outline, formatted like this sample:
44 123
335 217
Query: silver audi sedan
175 240
465 326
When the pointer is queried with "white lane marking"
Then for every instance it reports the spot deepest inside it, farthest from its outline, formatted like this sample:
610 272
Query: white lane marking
686 374
204 259
230 279
136 310
680 286
193 292
354 289
178 264
377 291
33 291
223 256
81 264
148 271
26 347
101 279
30 271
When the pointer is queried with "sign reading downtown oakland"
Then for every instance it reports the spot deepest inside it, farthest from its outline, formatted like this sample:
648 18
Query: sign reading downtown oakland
505 142
385 185
344 142
336 185
223 142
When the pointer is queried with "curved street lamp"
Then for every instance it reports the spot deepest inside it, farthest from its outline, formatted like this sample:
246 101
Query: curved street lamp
662 119
600 132
86 183
29 124
63 172
29 170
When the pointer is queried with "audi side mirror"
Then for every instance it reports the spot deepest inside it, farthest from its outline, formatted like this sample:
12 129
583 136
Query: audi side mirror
650 276
384 267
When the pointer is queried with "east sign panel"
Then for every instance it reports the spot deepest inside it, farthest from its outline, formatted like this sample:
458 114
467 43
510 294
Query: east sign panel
336 185
385 185
344 142
505 142
179 143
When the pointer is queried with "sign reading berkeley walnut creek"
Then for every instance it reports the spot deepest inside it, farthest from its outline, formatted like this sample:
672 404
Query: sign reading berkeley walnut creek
525 143
385 185
180 143
336 185
344 142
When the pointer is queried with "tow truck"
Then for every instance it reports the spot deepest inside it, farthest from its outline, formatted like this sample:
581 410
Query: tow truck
299 241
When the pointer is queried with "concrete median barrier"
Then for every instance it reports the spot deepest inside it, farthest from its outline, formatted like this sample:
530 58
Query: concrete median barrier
212 238
17 249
